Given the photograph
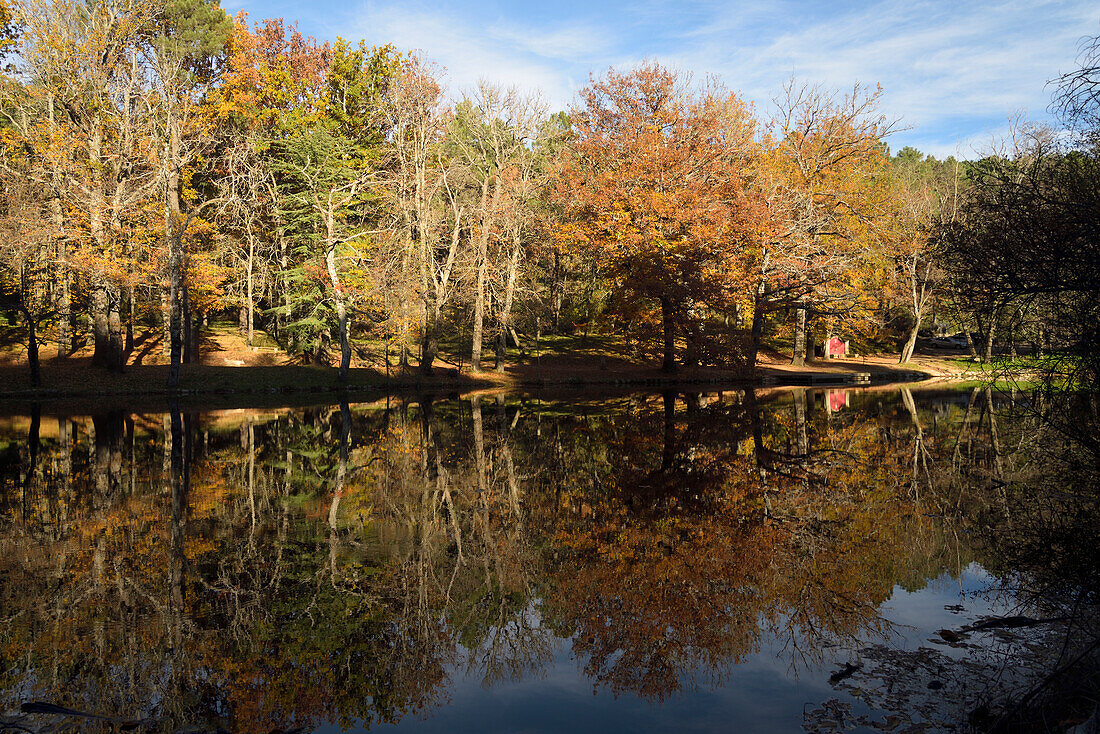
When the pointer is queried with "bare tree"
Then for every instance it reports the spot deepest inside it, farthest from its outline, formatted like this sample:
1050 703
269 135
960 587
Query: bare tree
493 132
427 216
925 200
249 190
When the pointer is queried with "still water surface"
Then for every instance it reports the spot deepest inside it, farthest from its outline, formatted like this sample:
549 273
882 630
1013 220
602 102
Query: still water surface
741 561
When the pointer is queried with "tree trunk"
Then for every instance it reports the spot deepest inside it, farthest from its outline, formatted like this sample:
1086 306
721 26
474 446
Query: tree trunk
692 345
482 269
970 343
64 286
107 328
668 323
919 293
107 324
341 308
910 343
506 308
65 335
557 293
114 328
249 296
178 301
175 310
799 358
99 325
32 349
429 344
166 319
988 355
100 335
129 348
434 280
186 325
500 340
757 333
64 277
429 315
479 312
284 266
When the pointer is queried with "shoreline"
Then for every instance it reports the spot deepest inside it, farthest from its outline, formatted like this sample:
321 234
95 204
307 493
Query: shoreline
269 386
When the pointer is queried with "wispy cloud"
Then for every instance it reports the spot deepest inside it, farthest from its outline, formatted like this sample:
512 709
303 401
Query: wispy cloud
954 71
569 44
542 60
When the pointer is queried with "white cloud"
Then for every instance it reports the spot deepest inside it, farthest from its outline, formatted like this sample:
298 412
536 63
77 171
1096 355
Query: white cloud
569 44
504 53
952 70
941 64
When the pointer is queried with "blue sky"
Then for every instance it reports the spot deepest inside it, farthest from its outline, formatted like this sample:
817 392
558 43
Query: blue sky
955 72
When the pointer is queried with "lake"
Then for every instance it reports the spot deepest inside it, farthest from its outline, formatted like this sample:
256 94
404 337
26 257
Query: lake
749 560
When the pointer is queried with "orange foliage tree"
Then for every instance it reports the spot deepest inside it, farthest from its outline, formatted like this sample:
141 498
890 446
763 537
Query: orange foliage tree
655 189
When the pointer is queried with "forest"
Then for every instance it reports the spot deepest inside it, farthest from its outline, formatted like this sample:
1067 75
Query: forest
165 167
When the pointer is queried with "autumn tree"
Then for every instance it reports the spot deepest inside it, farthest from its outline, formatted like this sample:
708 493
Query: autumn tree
325 168
81 64
271 83
824 187
184 51
523 236
654 189
26 246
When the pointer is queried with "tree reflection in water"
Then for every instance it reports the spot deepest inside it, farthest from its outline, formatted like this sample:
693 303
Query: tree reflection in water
265 570
1023 483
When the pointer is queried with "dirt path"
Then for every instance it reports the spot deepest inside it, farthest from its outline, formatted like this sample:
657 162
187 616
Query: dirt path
881 365
267 369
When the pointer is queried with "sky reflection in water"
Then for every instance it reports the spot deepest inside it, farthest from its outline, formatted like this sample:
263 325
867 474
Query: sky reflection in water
761 694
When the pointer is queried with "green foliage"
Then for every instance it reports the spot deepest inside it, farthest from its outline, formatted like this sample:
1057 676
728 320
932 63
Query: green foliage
319 164
196 32
359 79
